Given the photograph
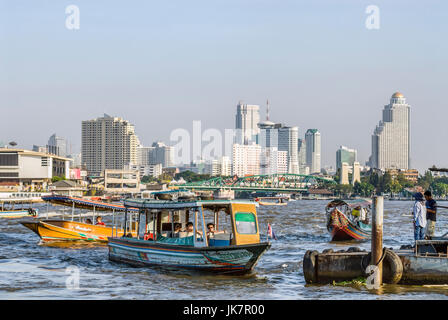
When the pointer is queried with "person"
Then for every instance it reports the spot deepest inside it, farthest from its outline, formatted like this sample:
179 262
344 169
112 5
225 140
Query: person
431 211
99 221
356 213
177 229
211 230
88 221
189 229
419 212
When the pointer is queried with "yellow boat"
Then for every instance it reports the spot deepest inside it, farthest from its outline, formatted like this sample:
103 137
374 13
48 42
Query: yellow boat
63 230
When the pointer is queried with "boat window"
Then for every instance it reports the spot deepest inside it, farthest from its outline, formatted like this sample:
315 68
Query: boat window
245 223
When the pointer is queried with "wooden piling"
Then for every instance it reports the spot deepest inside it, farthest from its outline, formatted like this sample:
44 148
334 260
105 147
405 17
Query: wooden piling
377 235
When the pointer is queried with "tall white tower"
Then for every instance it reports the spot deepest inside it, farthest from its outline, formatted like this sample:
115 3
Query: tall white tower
313 149
246 121
391 138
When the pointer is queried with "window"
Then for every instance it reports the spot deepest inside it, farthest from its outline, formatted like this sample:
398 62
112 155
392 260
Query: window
245 223
9 159
9 174
44 161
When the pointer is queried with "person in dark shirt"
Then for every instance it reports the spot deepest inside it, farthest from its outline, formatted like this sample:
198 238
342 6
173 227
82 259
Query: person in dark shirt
431 211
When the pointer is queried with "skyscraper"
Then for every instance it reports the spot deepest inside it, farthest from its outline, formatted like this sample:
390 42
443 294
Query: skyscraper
288 138
391 138
344 154
247 118
303 168
108 143
161 153
246 159
313 148
57 145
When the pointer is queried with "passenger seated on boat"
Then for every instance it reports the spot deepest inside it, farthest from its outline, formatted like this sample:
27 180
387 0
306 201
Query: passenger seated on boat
190 230
177 229
88 221
99 221
211 230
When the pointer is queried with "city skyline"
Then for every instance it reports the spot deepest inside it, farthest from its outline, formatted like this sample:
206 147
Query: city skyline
334 77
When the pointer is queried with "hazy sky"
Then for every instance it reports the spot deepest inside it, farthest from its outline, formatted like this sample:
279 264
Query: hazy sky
163 64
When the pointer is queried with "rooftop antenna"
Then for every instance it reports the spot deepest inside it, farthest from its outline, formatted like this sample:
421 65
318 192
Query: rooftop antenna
267 110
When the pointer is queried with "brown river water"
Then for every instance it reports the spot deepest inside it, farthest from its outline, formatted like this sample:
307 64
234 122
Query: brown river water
29 270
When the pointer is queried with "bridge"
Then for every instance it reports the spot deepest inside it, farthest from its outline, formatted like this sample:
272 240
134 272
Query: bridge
270 183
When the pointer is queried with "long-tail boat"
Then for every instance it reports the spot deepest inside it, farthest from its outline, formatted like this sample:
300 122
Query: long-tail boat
71 230
348 221
14 208
234 248
272 201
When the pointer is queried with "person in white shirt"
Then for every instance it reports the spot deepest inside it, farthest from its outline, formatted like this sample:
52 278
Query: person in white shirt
419 216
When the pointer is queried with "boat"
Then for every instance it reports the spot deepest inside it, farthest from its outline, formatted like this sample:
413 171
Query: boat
66 230
85 203
342 222
9 209
272 201
71 230
235 248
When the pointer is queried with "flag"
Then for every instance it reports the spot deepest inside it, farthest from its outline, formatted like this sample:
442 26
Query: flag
271 233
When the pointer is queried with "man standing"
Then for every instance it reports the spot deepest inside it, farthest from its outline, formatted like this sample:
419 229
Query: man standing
431 211
419 217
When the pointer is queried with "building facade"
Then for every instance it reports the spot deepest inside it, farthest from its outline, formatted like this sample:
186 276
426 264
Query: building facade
288 138
246 159
391 138
108 143
30 171
344 154
313 150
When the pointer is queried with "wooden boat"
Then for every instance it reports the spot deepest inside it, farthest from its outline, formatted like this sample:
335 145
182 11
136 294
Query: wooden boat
341 223
70 230
235 251
63 230
272 201
10 210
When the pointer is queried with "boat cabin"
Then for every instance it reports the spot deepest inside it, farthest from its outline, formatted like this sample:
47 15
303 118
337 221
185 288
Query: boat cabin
198 223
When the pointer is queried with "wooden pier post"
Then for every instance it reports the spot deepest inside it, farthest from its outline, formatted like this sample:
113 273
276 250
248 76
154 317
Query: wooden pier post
377 235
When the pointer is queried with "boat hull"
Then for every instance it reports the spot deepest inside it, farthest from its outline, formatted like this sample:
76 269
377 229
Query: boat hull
229 259
14 214
342 229
62 230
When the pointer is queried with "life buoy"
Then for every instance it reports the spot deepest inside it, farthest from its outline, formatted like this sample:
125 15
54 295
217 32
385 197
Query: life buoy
148 236
392 266
309 266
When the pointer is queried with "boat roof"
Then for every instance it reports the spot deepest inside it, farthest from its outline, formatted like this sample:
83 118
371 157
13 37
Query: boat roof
351 203
169 204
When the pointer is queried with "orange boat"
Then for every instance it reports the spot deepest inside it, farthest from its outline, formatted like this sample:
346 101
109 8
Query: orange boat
57 230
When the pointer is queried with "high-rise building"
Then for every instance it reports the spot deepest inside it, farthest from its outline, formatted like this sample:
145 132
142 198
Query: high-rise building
344 154
288 138
273 161
247 118
313 149
57 145
161 153
303 168
246 159
108 143
391 138
144 155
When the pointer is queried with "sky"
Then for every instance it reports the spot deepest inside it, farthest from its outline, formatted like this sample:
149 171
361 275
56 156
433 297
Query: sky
163 64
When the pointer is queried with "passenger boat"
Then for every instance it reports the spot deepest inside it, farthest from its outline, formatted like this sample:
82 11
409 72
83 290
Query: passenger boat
235 248
84 203
66 230
348 221
9 208
272 201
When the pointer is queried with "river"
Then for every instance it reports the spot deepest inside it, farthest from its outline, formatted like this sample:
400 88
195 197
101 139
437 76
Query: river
29 270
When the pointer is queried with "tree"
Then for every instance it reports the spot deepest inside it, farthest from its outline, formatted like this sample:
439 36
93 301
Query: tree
57 178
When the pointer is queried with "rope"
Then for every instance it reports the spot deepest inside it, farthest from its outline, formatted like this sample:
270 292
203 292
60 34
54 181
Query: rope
376 265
